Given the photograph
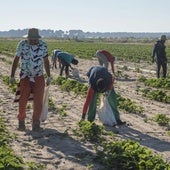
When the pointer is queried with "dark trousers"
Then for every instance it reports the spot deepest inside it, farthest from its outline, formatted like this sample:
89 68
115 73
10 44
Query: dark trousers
64 66
162 64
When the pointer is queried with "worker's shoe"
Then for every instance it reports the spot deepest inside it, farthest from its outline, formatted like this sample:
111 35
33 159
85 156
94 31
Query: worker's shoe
36 126
21 125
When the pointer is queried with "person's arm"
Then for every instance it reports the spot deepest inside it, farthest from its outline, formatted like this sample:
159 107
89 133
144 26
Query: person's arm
47 66
154 52
47 69
71 66
14 66
110 59
13 70
89 97
112 66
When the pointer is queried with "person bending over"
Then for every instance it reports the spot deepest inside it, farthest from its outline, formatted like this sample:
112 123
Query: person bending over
104 58
100 81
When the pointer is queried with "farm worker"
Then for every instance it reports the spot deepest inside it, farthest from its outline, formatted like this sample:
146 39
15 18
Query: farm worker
104 57
33 54
100 81
66 59
159 56
55 58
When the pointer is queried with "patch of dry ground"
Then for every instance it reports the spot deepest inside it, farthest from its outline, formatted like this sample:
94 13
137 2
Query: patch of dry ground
59 151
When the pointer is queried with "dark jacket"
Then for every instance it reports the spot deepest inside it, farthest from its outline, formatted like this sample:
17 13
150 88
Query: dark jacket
97 72
159 53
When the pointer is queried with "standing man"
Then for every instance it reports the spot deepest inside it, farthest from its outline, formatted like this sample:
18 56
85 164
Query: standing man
159 56
33 54
104 57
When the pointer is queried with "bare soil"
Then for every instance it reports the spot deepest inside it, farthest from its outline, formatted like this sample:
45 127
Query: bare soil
65 152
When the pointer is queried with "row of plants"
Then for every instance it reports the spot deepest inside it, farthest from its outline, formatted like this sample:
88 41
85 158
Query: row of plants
81 89
155 82
92 132
113 155
8 159
162 119
118 154
123 51
161 92
157 95
109 154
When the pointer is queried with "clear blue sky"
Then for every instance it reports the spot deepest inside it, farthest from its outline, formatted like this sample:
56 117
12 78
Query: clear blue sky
87 15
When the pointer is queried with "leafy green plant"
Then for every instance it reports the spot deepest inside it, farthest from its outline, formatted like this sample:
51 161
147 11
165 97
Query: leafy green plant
155 82
34 166
128 154
5 79
56 110
161 119
89 131
124 51
128 105
8 160
71 85
158 95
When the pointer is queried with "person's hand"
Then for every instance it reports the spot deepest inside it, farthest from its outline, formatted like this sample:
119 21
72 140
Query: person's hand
48 81
11 80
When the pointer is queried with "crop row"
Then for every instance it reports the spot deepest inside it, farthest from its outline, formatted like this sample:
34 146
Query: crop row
87 50
112 154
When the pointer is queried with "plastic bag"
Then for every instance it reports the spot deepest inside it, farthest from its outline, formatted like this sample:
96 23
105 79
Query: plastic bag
105 113
75 73
44 112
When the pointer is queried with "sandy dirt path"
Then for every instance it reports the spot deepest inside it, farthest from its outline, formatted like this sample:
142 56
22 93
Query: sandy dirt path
57 147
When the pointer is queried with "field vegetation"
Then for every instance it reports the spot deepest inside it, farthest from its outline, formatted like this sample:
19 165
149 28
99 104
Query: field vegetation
112 154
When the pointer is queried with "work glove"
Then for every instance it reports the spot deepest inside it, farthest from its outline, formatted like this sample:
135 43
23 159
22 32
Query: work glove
48 81
11 80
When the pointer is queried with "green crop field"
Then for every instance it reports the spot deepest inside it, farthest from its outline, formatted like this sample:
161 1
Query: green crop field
138 97
123 51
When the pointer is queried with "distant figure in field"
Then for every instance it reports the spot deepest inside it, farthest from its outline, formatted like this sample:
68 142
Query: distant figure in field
55 59
66 59
159 56
104 57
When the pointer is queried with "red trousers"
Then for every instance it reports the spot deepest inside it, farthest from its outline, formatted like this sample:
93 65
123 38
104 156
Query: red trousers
38 92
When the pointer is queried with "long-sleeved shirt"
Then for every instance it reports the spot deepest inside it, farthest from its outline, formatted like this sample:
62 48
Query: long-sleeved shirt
94 73
110 58
159 51
67 57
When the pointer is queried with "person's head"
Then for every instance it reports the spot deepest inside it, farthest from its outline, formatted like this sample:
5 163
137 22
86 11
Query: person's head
100 85
163 38
33 36
74 61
